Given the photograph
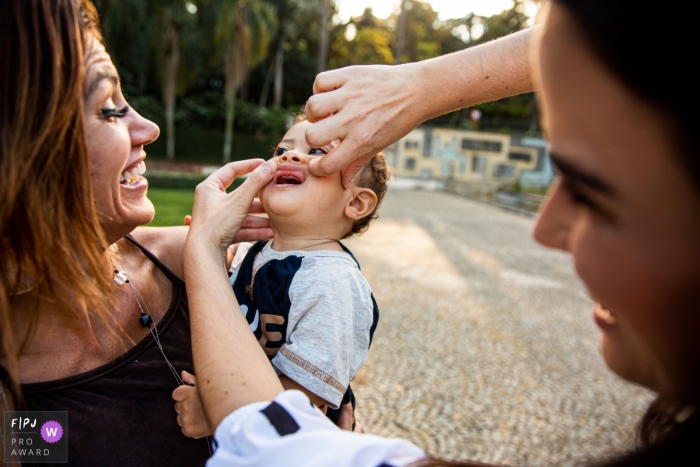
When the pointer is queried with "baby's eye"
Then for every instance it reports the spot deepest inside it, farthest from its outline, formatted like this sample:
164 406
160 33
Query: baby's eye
317 151
280 151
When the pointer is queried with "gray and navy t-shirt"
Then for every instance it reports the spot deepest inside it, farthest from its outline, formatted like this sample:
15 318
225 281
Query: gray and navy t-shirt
312 312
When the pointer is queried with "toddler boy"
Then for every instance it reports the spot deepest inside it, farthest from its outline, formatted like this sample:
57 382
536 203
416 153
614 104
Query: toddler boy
302 292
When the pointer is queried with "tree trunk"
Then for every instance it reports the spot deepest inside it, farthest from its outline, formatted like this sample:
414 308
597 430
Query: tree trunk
400 33
236 68
323 42
172 63
268 81
279 69
230 99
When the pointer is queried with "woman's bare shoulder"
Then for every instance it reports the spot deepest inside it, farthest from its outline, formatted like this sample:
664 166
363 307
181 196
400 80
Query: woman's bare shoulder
166 243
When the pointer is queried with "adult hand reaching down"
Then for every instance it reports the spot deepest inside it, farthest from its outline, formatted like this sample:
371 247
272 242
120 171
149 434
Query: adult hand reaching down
370 107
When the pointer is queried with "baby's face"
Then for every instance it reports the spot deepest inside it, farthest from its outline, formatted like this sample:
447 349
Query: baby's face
298 200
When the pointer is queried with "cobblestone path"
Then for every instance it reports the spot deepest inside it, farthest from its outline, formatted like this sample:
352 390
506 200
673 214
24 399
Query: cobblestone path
486 348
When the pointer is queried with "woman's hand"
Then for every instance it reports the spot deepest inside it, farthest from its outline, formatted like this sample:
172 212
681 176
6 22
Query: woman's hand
366 107
221 218
190 413
370 107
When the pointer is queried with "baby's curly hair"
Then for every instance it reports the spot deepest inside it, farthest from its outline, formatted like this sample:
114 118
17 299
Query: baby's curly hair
375 176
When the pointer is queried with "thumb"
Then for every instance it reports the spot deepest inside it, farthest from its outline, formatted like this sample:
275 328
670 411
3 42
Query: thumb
188 378
257 179
349 172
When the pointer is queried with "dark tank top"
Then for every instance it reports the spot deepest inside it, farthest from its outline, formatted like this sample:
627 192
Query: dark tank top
122 413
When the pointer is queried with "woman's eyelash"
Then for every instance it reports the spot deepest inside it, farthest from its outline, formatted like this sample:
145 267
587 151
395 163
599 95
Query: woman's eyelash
576 196
322 151
114 112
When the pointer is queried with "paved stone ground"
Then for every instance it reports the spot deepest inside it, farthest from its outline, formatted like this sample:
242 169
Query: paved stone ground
486 348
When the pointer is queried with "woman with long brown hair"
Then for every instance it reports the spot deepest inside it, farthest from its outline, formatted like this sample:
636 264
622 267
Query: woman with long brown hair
93 312
622 118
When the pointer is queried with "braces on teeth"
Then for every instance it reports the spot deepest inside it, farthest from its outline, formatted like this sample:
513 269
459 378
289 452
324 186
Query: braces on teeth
134 175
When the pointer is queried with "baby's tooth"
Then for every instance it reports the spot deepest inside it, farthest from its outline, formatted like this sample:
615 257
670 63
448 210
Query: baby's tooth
121 178
135 173
141 168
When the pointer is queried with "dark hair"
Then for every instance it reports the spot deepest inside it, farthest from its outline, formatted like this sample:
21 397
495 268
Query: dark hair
654 66
375 176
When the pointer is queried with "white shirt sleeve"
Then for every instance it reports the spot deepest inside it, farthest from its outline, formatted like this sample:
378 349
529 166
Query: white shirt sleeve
328 327
292 432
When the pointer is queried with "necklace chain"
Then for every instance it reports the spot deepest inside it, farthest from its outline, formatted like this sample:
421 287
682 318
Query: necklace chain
146 320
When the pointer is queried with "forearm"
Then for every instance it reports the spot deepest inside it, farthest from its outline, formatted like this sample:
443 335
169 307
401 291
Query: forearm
232 370
490 71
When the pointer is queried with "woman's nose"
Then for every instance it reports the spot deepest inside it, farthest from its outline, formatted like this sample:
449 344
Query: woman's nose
293 157
142 130
555 220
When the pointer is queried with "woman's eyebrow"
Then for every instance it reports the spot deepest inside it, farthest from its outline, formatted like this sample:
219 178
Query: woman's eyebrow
101 75
573 173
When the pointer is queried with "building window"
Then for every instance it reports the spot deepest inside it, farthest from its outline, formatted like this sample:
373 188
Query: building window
519 156
479 164
426 174
481 145
504 170
410 164
411 144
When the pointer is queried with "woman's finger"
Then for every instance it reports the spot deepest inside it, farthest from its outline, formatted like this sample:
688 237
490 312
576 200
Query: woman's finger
320 106
256 207
330 80
327 130
253 235
258 178
255 222
225 176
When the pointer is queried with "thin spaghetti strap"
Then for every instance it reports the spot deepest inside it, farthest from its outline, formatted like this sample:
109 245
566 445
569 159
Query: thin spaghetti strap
166 270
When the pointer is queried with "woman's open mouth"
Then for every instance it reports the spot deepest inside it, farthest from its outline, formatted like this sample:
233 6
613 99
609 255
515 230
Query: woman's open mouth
288 176
134 175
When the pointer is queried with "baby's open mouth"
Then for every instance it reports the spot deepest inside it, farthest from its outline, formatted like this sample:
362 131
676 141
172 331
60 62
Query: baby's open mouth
289 176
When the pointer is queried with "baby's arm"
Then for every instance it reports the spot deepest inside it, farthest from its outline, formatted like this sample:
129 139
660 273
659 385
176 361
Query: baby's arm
190 413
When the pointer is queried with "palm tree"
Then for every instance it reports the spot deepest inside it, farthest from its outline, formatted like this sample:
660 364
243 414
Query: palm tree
243 30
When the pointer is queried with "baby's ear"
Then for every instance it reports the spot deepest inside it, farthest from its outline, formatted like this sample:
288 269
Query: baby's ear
361 204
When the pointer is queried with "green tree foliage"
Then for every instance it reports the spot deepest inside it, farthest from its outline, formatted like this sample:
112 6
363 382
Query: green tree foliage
199 63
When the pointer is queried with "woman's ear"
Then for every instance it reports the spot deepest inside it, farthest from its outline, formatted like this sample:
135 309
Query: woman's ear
361 204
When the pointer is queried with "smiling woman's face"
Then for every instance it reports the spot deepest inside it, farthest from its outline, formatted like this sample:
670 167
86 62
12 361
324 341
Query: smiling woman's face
626 210
115 137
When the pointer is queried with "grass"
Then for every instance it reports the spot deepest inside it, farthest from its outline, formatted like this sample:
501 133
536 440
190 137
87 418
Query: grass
172 205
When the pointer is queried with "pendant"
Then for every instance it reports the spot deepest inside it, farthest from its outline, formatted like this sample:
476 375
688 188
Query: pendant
120 277
146 320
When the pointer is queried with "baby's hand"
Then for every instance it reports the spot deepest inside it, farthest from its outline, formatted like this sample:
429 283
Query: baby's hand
190 413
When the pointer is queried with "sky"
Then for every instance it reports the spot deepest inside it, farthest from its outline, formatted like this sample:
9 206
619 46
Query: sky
446 8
